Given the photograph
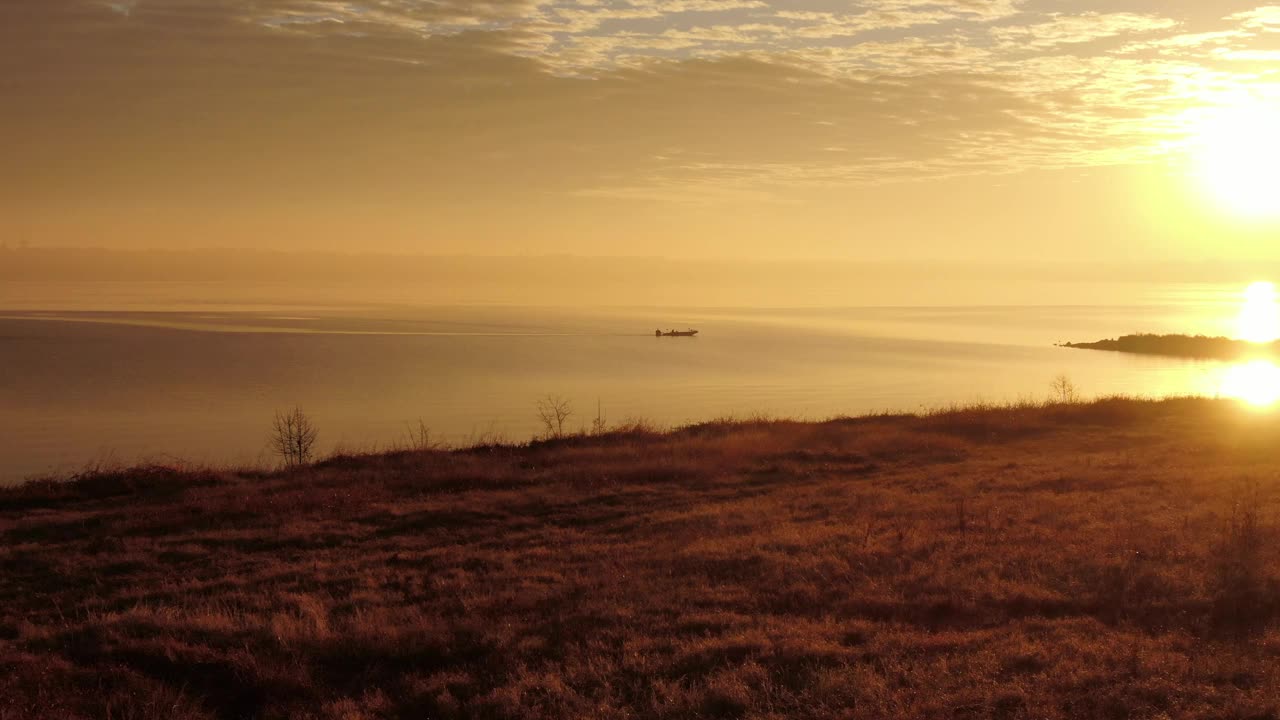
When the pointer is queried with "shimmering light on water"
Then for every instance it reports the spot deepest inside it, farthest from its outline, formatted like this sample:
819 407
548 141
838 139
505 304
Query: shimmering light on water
1256 382
1259 320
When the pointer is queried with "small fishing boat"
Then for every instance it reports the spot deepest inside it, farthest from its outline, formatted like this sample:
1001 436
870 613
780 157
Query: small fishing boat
675 333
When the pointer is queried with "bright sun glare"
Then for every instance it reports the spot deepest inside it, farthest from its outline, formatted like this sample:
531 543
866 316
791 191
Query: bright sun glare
1256 382
1238 157
1259 319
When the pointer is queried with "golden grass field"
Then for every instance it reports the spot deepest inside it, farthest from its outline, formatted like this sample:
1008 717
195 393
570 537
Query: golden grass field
1115 559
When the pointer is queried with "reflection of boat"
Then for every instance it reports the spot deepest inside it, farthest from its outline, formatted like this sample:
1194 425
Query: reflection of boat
675 333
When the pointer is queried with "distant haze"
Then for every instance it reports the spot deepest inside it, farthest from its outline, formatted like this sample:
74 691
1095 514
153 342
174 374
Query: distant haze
69 278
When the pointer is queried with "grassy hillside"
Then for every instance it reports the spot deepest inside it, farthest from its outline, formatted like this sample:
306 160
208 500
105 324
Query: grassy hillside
1115 559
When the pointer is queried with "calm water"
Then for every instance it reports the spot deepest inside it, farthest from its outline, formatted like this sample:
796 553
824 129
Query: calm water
125 386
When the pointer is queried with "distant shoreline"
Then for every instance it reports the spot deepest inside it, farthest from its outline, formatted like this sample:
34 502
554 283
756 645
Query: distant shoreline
1195 347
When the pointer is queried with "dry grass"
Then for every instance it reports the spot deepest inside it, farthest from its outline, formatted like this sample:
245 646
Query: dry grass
1114 559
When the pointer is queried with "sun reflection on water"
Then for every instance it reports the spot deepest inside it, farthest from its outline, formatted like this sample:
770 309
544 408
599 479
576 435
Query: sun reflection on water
1259 319
1256 382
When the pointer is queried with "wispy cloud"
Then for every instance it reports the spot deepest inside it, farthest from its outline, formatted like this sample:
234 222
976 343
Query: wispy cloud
125 7
1081 28
774 95
1265 18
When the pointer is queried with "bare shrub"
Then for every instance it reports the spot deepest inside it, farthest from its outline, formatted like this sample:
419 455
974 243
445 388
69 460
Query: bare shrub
554 411
1062 390
598 425
636 425
293 437
418 437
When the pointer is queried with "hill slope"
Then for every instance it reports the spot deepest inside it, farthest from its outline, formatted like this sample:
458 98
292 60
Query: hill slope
1100 560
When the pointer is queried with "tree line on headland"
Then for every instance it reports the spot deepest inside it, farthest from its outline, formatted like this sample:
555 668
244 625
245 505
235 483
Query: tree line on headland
1182 346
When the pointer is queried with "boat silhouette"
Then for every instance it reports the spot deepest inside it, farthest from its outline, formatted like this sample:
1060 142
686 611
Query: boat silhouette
675 333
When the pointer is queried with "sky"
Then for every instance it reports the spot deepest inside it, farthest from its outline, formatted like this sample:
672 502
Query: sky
876 130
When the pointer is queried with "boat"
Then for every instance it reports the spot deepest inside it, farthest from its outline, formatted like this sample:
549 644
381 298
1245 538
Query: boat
675 333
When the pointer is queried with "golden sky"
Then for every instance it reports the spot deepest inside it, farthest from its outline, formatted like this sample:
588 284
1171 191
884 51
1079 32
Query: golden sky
861 129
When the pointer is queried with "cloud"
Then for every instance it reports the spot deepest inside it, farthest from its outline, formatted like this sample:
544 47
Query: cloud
123 8
1266 19
1081 28
700 99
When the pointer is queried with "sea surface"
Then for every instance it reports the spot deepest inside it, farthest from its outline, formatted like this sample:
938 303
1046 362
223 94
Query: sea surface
79 389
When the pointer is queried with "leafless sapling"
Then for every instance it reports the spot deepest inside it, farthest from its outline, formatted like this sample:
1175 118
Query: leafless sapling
553 411
293 437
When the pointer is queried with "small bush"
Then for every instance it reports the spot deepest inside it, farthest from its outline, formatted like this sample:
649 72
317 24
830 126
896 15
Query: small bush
418 437
293 437
1063 390
554 411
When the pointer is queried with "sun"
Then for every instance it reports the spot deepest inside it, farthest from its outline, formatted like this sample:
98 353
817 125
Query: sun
1259 318
1237 153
